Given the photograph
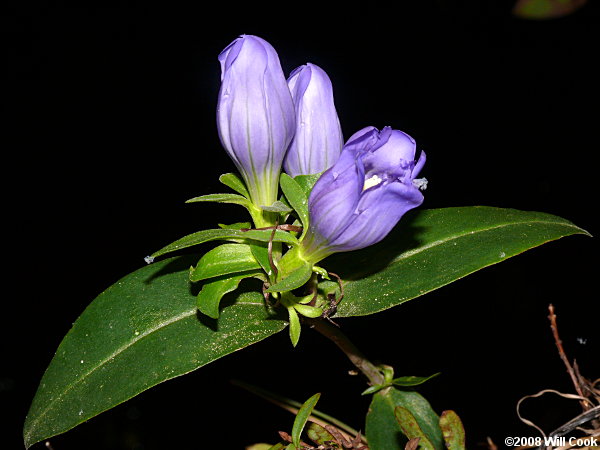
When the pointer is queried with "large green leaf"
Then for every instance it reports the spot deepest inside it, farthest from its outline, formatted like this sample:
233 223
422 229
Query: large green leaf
223 260
141 331
383 430
432 248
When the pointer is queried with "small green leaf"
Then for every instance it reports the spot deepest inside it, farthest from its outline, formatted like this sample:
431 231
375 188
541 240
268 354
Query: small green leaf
234 182
372 389
308 311
302 417
412 381
210 296
203 236
223 260
261 254
318 434
294 280
296 198
295 327
411 429
307 182
221 198
277 207
383 430
236 226
452 430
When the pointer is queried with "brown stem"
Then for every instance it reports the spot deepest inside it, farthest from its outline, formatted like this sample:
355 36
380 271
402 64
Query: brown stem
563 356
354 354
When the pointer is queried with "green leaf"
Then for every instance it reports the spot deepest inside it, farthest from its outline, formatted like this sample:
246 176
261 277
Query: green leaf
307 182
410 381
302 417
221 198
235 226
383 430
261 254
318 434
432 248
296 197
277 207
223 260
452 430
141 331
203 236
234 182
212 292
308 311
295 327
411 428
294 280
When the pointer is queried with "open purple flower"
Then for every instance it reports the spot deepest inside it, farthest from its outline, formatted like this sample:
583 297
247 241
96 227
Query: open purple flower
318 140
255 114
360 199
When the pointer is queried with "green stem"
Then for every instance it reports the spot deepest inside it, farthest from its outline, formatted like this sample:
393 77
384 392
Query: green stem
357 358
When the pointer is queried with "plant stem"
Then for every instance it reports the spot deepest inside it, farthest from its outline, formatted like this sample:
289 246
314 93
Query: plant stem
357 358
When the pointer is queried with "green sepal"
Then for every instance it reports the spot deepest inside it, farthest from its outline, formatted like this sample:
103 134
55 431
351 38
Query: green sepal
452 430
203 236
223 260
307 182
221 198
302 417
411 428
294 326
209 297
296 198
234 182
294 280
277 207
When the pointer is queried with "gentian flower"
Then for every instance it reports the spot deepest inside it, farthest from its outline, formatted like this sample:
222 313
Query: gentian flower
318 140
255 114
359 200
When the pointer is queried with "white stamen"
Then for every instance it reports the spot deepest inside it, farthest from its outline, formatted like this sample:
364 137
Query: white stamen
420 183
373 181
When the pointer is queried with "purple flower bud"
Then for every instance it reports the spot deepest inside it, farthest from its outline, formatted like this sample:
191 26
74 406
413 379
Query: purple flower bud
255 114
360 199
318 140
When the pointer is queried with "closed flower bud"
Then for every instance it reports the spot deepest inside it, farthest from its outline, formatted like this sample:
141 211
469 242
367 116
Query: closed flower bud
255 114
362 197
318 140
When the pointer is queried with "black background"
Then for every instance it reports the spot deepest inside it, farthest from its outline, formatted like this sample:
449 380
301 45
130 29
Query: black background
110 127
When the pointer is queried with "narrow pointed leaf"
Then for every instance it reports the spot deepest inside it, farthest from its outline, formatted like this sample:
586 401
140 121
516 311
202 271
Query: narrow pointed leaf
308 311
234 182
295 328
294 280
223 260
432 248
141 331
302 417
235 226
410 381
452 430
209 298
203 236
411 428
221 198
383 430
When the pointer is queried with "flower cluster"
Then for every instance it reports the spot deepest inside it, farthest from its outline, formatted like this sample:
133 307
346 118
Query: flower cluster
266 122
